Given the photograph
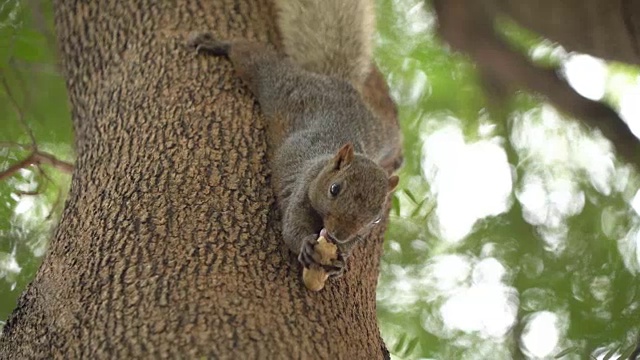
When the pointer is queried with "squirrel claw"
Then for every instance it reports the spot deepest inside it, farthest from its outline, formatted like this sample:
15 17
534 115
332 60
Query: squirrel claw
308 257
337 268
335 271
196 39
307 251
205 42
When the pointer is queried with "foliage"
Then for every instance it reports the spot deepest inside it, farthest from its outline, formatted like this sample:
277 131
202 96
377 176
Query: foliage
514 232
33 111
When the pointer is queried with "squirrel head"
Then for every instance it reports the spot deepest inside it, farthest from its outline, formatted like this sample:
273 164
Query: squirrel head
349 193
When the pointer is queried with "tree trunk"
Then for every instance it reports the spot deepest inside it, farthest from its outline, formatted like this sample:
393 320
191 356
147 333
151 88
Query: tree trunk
169 245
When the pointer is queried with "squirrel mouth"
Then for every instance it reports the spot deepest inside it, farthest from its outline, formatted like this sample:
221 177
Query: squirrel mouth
327 235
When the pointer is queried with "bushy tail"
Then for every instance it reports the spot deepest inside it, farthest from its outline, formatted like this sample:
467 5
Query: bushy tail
331 37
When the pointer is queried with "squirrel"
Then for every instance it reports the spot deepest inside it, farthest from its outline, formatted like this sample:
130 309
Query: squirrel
326 145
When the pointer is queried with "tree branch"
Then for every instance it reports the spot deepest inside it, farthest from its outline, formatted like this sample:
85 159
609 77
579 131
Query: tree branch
468 27
16 167
37 158
48 159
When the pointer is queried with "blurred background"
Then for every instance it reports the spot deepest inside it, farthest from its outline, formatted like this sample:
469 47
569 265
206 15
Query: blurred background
514 233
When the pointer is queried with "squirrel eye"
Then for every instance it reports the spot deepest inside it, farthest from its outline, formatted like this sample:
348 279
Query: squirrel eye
334 190
377 221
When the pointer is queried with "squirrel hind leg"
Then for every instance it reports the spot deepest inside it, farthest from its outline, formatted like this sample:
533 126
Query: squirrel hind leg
206 43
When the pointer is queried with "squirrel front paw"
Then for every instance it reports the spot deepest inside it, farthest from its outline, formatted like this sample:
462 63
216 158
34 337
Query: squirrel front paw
205 42
338 266
309 257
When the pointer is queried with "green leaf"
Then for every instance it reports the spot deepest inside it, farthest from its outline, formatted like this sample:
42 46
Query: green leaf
411 346
411 196
566 351
611 353
397 348
395 205
626 354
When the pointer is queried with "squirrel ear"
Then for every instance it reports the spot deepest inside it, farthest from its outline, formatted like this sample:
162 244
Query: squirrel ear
343 157
393 182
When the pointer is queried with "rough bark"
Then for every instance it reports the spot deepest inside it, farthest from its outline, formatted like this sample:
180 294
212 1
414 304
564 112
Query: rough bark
169 245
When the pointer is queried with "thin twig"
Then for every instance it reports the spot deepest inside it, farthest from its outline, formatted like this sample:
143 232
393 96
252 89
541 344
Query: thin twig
20 114
46 158
17 166
55 205
28 193
43 173
58 200
14 145
37 158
